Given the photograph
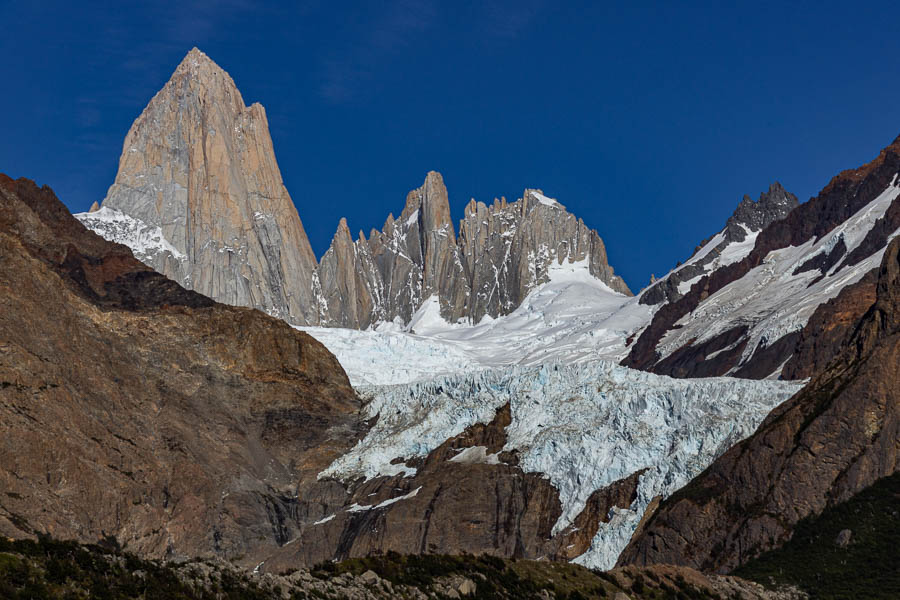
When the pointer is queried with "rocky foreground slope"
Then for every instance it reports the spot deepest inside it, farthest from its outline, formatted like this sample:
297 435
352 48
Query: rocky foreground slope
51 569
134 409
199 197
835 438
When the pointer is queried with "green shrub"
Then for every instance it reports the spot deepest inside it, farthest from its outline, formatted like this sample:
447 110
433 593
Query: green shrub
869 567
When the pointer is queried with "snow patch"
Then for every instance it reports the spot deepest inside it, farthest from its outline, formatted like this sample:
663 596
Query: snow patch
364 507
544 199
144 240
476 455
573 317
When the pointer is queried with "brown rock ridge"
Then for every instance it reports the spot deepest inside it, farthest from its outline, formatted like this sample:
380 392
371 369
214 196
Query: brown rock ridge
133 408
728 352
825 335
834 438
199 165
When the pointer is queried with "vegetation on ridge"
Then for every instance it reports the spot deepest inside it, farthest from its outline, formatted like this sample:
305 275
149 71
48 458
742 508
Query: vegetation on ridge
848 551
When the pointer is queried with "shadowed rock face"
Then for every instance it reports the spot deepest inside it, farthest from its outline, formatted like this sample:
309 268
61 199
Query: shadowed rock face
834 438
199 165
134 408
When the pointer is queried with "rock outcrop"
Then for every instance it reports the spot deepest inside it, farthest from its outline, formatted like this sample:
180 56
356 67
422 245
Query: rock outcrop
413 258
507 249
135 409
833 439
198 166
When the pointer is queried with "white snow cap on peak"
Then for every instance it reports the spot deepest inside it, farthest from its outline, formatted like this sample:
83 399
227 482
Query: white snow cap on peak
540 197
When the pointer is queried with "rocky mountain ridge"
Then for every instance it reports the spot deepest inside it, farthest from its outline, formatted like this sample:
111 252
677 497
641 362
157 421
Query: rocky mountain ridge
746 312
737 306
199 197
134 409
748 219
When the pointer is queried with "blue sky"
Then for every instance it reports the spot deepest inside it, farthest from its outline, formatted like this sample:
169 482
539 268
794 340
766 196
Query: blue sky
647 120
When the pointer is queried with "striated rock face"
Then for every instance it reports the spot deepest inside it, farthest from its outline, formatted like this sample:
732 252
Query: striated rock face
199 165
415 256
833 439
133 408
502 254
507 249
748 315
350 282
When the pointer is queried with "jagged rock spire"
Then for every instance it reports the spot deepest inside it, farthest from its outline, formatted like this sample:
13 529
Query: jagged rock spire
350 285
748 218
199 165
199 197
503 252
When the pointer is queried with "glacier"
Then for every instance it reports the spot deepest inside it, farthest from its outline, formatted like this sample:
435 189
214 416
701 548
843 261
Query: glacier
582 425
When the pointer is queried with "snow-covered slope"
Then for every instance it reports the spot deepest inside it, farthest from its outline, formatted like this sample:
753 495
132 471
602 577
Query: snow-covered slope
573 318
583 426
146 241
730 245
778 297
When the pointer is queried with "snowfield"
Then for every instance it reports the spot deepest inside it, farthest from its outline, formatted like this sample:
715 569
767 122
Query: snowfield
583 426
572 318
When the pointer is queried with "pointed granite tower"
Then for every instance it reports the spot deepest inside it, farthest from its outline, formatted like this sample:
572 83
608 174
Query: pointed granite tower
199 164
